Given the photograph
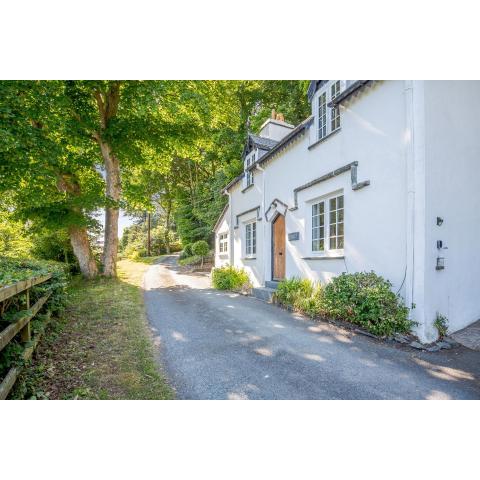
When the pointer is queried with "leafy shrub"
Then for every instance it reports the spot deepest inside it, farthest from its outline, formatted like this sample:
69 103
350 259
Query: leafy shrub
441 324
187 251
300 294
175 246
367 300
364 299
200 248
135 250
230 278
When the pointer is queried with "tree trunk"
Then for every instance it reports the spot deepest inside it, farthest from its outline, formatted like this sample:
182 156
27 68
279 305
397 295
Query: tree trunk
167 225
107 103
149 243
83 252
113 189
78 234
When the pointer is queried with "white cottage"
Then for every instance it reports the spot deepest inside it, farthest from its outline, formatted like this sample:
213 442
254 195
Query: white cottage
383 176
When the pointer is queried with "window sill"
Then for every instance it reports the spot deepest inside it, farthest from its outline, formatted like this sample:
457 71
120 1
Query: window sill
248 188
325 257
223 255
326 137
249 258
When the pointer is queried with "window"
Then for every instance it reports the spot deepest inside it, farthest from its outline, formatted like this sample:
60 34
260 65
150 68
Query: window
332 209
322 115
251 239
335 112
250 160
336 222
318 227
223 243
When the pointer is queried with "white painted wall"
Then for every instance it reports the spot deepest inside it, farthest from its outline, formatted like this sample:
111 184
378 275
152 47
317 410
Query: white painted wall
241 202
223 258
452 157
275 129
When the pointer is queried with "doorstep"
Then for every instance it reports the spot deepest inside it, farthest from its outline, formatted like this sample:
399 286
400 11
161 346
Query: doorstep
264 293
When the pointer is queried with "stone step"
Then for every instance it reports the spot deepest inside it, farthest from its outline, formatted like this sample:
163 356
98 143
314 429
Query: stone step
263 293
271 284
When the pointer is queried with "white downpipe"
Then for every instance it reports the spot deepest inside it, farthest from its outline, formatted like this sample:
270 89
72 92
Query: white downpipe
410 176
264 223
416 206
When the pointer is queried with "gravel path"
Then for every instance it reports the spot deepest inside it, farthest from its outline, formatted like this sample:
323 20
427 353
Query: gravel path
217 345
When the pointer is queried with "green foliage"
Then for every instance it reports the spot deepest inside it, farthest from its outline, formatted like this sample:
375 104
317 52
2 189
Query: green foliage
135 249
200 248
12 271
367 300
133 244
301 295
230 278
364 299
441 324
187 250
177 142
13 240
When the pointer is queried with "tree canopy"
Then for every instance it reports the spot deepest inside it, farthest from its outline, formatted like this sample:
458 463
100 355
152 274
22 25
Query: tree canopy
71 148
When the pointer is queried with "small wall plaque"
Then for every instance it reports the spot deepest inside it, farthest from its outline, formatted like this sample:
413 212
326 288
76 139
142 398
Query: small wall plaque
294 236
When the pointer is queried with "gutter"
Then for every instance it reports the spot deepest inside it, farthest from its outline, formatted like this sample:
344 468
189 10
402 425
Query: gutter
348 92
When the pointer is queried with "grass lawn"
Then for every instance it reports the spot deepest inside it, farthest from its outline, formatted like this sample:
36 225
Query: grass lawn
101 348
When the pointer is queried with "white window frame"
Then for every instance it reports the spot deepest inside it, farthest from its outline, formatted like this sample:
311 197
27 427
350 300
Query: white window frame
335 89
322 115
328 120
250 239
333 232
223 243
249 160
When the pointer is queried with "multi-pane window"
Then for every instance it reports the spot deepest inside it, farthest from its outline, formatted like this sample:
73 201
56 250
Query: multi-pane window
223 243
336 234
322 115
250 160
251 239
332 230
335 112
318 227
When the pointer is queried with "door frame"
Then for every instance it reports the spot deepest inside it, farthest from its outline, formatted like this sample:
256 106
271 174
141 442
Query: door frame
272 246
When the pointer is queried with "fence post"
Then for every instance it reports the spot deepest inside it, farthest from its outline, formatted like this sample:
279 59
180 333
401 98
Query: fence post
26 332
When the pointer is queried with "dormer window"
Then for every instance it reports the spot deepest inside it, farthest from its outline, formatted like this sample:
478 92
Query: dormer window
335 112
328 119
322 115
249 160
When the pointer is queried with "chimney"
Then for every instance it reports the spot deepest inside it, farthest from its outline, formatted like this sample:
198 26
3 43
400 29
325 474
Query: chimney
275 127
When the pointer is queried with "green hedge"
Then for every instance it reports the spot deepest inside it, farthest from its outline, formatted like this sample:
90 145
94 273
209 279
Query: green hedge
12 271
364 299
230 278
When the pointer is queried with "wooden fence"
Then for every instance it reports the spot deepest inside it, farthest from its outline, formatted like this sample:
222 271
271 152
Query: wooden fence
21 326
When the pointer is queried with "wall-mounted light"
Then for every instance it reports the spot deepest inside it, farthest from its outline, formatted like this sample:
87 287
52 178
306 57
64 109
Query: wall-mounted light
439 221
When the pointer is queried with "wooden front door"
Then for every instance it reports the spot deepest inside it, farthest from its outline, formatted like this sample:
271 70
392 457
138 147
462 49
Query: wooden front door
278 237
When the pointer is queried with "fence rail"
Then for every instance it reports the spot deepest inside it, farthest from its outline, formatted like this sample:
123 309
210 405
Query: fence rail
22 326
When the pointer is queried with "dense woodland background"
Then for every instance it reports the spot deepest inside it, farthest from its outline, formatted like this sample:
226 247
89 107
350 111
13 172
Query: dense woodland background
159 150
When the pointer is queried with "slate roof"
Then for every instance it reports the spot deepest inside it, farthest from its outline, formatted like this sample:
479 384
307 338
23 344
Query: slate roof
300 128
276 148
262 142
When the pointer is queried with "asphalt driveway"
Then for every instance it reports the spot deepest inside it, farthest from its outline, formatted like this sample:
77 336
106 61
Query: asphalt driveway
218 345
